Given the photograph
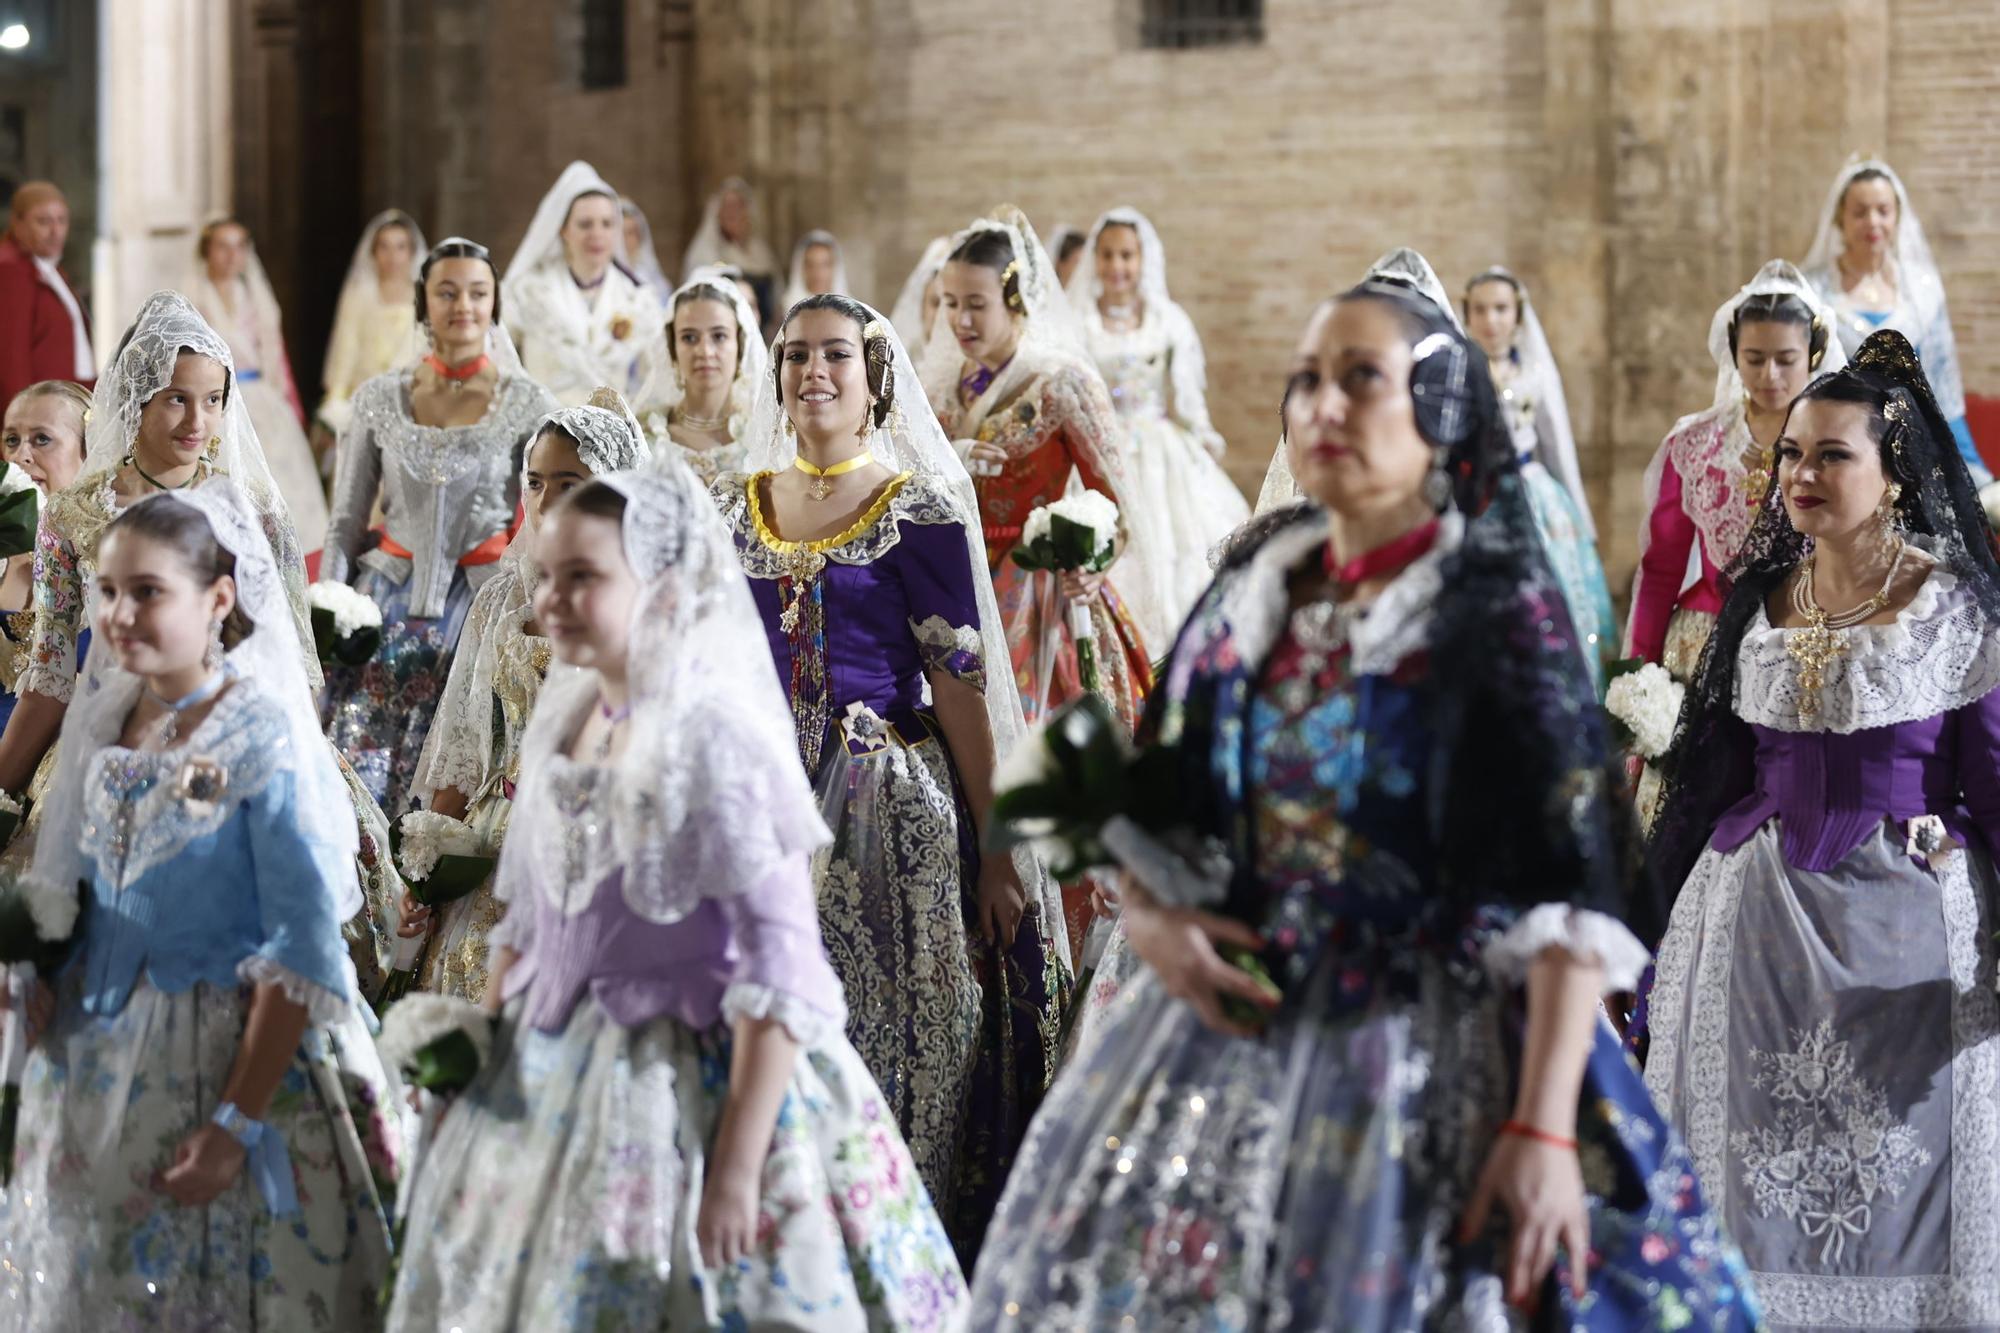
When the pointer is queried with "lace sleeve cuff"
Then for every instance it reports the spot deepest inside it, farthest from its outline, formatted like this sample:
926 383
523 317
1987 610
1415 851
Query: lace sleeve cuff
322 1006
807 1024
1587 934
953 649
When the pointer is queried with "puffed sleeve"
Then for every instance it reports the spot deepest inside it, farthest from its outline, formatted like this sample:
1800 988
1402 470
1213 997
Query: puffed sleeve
935 563
299 885
781 968
1656 585
58 603
357 476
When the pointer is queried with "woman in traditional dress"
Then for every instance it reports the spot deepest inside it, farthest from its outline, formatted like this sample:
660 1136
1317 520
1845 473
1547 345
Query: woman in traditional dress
583 319
728 235
471 761
1430 1105
1501 320
719 361
235 297
1151 357
439 443
915 311
1713 472
166 414
671 1131
42 436
817 268
640 256
374 322
1824 1028
1870 262
190 1154
1018 392
859 534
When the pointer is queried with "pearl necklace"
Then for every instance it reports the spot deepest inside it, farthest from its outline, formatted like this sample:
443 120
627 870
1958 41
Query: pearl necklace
1814 647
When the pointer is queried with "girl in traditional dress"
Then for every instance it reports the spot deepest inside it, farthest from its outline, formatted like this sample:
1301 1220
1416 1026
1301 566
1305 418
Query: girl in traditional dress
915 311
471 762
1498 316
374 322
671 1131
438 442
166 415
1150 355
817 268
190 1154
858 532
42 436
1431 1106
719 360
583 318
1713 472
728 235
1870 262
1016 389
640 256
1824 1027
235 297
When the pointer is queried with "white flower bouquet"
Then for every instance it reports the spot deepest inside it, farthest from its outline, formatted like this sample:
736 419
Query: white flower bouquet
1645 703
12 813
442 860
1077 534
439 1042
20 511
347 625
37 933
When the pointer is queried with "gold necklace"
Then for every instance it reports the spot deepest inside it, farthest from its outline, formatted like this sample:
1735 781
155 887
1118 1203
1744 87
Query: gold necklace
1815 646
822 486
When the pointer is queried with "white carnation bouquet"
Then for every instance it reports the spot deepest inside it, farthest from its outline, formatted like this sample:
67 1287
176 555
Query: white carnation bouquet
1077 534
347 625
442 860
1646 703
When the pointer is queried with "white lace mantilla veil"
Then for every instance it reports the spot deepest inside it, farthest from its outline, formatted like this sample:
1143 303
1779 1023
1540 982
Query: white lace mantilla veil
1188 371
168 324
709 798
269 656
908 312
1538 362
499 343
542 243
913 441
608 440
263 299
1777 278
710 246
753 357
1050 333
1400 265
645 261
361 285
795 281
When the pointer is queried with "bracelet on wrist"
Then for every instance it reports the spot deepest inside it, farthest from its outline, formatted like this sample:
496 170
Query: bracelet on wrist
1522 1130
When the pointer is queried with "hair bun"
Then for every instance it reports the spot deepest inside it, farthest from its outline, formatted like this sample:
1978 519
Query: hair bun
608 398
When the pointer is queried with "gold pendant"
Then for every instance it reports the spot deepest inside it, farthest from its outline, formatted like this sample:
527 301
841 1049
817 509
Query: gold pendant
1812 648
820 489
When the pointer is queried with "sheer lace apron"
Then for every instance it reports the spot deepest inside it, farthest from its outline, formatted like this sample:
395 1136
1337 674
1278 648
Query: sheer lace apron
1841 1087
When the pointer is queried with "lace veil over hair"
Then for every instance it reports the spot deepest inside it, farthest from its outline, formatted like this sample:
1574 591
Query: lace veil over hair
710 246
1400 267
1538 364
908 312
753 358
1049 329
1710 762
1916 268
795 283
911 440
270 656
499 344
542 243
360 287
709 798
645 261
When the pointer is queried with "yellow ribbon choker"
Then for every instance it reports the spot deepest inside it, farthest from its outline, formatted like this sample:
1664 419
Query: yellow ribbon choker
819 490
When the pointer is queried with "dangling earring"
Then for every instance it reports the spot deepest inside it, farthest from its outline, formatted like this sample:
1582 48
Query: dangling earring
680 379
788 425
1892 521
867 427
213 657
1437 484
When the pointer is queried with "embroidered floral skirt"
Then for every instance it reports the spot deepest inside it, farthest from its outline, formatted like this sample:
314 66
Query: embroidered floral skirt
962 1038
380 712
563 1189
1313 1178
1036 618
90 1244
1830 1046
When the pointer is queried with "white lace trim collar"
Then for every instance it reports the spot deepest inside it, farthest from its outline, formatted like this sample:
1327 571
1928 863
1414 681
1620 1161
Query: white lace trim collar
1394 625
1939 654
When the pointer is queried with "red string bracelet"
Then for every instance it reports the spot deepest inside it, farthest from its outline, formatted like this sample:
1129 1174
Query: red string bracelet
1525 1131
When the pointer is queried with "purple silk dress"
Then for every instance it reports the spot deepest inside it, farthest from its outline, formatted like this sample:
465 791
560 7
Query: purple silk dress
960 1035
565 1185
1824 1025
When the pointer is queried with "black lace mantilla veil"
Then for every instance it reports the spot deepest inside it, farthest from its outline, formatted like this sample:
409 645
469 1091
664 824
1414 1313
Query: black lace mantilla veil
1522 790
1710 764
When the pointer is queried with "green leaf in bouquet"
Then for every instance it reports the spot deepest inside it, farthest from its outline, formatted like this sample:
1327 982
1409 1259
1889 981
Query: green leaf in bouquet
1076 546
1037 555
450 879
448 1064
1091 749
1624 666
334 650
18 515
20 942
1234 1007
10 822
